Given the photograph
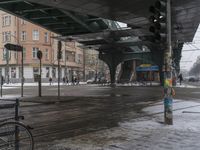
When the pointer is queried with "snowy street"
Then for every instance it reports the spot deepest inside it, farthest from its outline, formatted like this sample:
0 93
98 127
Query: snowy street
91 117
145 133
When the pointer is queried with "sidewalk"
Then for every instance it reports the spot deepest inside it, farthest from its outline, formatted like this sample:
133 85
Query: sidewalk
144 133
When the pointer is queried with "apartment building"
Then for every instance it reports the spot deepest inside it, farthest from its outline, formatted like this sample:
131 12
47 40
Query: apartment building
33 38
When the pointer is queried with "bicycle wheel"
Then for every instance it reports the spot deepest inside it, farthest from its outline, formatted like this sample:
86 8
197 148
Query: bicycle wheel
15 136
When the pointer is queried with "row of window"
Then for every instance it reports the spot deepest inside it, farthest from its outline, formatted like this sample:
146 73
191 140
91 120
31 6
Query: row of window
35 36
7 54
36 72
36 49
6 20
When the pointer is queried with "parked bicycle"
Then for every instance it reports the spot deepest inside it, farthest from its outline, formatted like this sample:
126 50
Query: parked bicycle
15 135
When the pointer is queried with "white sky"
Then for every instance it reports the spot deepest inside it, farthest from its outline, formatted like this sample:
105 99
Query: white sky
190 57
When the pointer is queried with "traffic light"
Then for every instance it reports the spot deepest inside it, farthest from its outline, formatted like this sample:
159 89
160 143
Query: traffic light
159 21
59 55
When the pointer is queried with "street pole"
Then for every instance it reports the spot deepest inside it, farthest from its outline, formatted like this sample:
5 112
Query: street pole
59 57
22 72
1 85
168 91
65 65
40 80
84 79
39 56
58 78
7 66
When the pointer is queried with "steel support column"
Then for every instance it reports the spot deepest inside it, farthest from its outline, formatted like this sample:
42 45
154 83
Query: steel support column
112 60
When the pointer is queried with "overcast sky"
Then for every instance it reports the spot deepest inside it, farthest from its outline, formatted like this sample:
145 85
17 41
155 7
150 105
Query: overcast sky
190 57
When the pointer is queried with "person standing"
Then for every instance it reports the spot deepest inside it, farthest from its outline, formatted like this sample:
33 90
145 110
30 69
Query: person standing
64 80
50 80
180 78
67 81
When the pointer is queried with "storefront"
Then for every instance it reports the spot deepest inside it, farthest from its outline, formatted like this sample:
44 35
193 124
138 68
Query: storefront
147 72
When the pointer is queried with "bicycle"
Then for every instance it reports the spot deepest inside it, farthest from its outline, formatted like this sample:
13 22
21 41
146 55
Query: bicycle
14 135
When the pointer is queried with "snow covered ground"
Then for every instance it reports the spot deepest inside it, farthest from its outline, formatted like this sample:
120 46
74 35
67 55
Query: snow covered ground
144 133
36 84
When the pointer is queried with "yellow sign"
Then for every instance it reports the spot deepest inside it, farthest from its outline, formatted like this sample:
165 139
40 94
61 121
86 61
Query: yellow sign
145 65
35 65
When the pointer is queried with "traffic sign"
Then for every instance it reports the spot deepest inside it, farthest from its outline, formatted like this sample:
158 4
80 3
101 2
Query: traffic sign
39 54
13 47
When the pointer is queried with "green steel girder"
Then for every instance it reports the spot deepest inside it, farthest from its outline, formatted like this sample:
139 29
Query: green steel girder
79 21
54 19
121 57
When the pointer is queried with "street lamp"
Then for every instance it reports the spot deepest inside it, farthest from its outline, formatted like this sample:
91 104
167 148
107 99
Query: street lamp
8 36
17 48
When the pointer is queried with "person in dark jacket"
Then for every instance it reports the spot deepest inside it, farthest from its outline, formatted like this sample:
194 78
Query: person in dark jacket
180 78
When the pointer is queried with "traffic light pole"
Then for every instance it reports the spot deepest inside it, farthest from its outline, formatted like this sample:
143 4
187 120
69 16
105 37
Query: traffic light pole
40 81
22 72
58 78
59 55
168 90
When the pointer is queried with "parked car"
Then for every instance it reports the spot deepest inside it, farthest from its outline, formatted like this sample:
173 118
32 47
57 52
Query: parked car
91 81
193 79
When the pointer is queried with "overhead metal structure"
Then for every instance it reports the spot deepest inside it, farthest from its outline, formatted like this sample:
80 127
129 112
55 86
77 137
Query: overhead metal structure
59 21
135 13
89 22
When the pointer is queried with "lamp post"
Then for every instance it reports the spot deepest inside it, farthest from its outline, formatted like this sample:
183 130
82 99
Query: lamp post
65 63
59 55
7 66
17 48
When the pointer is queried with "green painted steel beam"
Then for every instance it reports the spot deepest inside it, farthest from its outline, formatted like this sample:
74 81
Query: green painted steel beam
79 21
10 1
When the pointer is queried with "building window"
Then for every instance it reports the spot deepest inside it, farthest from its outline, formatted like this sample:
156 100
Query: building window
79 59
13 72
23 21
24 53
46 37
5 52
15 36
6 20
54 72
23 35
47 72
35 35
15 55
46 54
34 52
35 71
6 36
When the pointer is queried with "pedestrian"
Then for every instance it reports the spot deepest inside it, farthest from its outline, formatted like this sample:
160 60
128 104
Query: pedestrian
180 78
50 80
2 80
72 80
67 81
64 80
75 81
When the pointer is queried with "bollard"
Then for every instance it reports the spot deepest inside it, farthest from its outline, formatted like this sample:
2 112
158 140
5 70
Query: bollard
16 128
